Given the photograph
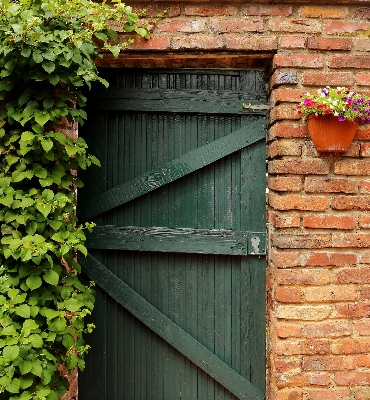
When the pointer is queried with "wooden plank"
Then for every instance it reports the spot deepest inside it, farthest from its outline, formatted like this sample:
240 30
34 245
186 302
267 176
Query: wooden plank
252 132
178 101
169 331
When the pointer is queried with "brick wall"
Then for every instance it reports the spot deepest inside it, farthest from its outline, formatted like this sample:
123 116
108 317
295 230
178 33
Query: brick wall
319 256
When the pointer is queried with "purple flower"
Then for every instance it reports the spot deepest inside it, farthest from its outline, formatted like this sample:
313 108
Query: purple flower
341 118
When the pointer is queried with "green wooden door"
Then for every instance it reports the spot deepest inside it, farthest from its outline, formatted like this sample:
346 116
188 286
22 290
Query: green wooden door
178 251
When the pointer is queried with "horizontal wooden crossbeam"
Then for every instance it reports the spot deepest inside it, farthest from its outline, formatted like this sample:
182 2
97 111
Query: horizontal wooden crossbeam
179 240
250 133
169 331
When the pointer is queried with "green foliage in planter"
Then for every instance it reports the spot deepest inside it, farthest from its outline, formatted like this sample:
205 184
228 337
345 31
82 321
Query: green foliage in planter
47 52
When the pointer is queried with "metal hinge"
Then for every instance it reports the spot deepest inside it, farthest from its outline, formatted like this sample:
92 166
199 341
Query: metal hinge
256 243
255 106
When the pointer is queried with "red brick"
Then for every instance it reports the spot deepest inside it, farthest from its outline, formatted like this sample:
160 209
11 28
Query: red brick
363 328
364 291
284 147
323 11
364 360
210 10
299 166
337 27
234 42
287 95
354 275
267 10
331 259
154 43
285 259
294 25
328 363
350 346
299 60
182 25
362 13
152 10
363 79
288 295
365 187
300 380
320 43
359 310
365 150
237 24
363 132
289 394
328 222
364 221
293 42
287 347
359 240
284 112
288 130
350 203
330 294
285 220
298 202
352 378
361 45
284 78
330 185
352 167
301 241
286 330
197 42
327 329
362 393
287 364
303 277
322 78
349 61
285 183
329 394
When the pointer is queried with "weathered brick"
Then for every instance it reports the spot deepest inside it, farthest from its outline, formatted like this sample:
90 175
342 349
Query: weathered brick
364 291
302 241
285 183
352 378
299 166
330 185
358 310
182 25
288 295
284 112
354 275
285 259
303 277
365 187
365 149
352 167
363 12
287 364
361 44
267 10
288 130
363 132
362 393
299 60
330 293
337 27
152 10
328 222
358 240
350 346
320 43
284 147
350 203
155 43
302 379
364 221
322 78
285 220
293 25
327 329
349 61
363 79
329 394
363 329
287 347
331 259
234 42
293 42
289 394
197 42
237 25
287 95
210 10
288 330
328 363
284 78
314 11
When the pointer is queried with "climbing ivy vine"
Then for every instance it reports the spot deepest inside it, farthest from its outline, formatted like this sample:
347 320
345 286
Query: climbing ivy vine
47 53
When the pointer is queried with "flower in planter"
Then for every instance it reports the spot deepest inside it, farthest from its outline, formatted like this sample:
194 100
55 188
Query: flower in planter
340 102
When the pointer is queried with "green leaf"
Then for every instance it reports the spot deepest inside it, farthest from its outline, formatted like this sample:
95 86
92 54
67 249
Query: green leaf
57 173
9 330
26 381
51 277
73 305
37 368
25 367
43 208
10 353
36 340
42 117
23 310
14 386
34 282
48 66
47 195
55 224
